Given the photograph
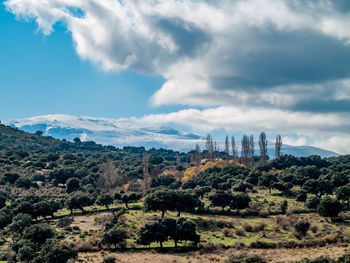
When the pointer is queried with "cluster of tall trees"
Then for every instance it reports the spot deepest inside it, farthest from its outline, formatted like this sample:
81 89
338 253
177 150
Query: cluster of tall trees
247 149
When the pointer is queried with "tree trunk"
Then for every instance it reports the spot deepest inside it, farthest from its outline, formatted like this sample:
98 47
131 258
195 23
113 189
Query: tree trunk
163 212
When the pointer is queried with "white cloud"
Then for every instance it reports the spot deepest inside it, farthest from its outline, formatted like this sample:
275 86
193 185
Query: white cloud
207 51
264 65
308 129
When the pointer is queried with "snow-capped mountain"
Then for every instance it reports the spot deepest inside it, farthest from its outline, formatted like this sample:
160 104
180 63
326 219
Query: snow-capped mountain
126 132
116 132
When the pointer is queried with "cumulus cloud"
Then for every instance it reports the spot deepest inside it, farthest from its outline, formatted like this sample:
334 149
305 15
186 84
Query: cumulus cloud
285 61
329 131
211 52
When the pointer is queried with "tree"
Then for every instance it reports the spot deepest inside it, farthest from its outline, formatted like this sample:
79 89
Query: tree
116 237
267 180
105 200
110 176
241 186
263 147
312 202
240 201
38 234
187 202
220 198
163 180
161 200
24 207
234 149
26 253
43 208
251 150
56 253
9 177
227 151
20 222
210 147
131 197
152 232
343 194
278 146
201 190
340 179
77 200
245 150
168 228
329 207
197 155
2 201
73 184
318 187
24 182
186 230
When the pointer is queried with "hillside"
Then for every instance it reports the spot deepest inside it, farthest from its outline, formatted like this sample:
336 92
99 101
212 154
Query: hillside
90 202
120 133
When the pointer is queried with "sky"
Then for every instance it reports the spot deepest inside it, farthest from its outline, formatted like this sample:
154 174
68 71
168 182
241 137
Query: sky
224 66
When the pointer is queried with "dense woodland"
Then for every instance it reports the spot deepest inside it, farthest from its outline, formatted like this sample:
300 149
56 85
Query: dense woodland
138 199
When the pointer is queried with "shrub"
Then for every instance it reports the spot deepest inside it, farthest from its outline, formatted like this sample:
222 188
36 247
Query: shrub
259 226
302 227
240 232
312 202
245 258
248 227
263 245
344 259
109 260
226 232
314 229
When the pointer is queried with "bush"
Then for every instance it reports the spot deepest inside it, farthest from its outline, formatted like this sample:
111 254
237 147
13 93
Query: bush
344 259
245 258
240 232
302 227
312 202
38 234
109 260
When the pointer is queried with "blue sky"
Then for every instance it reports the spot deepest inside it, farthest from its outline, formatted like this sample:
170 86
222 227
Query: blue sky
233 67
43 75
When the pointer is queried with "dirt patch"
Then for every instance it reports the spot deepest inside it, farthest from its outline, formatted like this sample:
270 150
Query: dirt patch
272 255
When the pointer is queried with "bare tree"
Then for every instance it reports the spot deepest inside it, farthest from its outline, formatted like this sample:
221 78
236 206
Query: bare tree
251 149
245 150
227 149
110 177
209 145
197 155
263 147
178 160
278 146
145 164
234 148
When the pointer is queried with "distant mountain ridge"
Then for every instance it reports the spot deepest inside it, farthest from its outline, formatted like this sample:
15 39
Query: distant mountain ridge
122 132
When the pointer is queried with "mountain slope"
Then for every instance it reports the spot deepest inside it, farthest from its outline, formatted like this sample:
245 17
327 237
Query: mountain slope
124 132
